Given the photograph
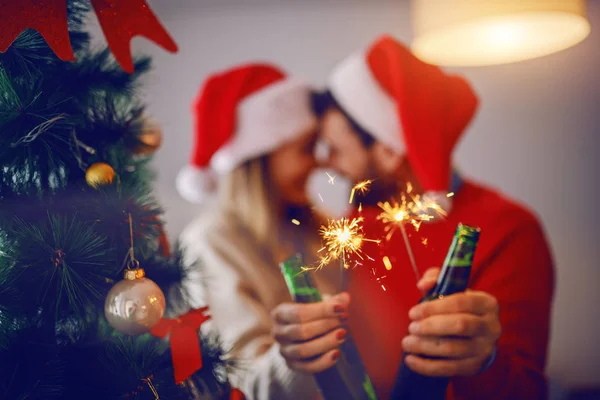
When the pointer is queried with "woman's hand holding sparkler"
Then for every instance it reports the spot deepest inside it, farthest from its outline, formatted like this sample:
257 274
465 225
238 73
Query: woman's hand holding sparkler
461 330
309 334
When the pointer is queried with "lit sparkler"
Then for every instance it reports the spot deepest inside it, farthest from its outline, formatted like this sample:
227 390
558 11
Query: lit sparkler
412 209
341 238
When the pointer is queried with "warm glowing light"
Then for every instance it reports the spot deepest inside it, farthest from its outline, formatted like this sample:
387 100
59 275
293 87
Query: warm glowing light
387 263
295 222
487 32
342 238
411 209
400 215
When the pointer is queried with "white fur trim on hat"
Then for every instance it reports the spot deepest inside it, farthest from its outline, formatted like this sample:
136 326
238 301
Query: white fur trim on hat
265 121
194 184
355 89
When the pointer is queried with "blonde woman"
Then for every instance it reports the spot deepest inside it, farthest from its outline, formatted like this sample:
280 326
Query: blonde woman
255 129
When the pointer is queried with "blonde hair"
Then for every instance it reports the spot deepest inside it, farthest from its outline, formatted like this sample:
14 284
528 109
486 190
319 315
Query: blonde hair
245 194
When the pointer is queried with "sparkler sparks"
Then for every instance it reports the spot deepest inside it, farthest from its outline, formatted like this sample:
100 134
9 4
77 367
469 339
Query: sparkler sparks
331 178
387 263
341 238
361 187
412 209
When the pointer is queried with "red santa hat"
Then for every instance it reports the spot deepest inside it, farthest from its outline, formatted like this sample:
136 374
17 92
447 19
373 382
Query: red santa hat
408 105
240 114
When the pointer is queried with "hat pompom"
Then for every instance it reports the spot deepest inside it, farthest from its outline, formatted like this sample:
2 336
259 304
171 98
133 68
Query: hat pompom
441 200
195 184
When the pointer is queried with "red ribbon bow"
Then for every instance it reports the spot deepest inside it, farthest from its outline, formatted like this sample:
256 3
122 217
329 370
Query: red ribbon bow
185 344
121 20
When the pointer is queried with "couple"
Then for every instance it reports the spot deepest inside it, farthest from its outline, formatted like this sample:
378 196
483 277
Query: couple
384 115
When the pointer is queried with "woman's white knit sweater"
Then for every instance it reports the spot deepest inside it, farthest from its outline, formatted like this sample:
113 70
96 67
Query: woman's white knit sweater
241 283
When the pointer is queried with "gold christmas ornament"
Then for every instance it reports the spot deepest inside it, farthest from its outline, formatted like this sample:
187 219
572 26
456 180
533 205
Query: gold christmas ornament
150 139
99 174
134 305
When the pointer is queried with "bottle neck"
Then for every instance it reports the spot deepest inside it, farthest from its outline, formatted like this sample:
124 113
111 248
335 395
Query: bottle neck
456 281
299 281
456 270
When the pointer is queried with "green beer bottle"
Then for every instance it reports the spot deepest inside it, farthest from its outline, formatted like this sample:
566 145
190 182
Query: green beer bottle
347 379
453 278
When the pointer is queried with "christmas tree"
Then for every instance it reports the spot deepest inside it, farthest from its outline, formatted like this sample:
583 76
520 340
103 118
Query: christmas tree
76 213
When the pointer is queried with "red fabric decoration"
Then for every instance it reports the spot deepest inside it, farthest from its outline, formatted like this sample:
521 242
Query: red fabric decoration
121 20
48 17
236 394
183 337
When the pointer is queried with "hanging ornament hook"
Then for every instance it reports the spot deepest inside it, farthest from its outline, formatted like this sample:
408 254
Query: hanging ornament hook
132 260
130 263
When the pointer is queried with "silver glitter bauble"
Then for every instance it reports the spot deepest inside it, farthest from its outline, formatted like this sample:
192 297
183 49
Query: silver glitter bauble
134 305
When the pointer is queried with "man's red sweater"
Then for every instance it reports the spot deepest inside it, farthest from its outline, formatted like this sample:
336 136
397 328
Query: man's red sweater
512 263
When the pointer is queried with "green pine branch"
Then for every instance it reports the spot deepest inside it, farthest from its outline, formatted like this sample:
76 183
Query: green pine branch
10 299
62 243
127 367
62 264
97 74
36 127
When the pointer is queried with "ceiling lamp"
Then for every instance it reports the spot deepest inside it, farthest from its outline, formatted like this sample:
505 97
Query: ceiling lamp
487 32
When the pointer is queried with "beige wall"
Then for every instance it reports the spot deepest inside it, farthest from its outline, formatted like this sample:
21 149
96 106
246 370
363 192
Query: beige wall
536 137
